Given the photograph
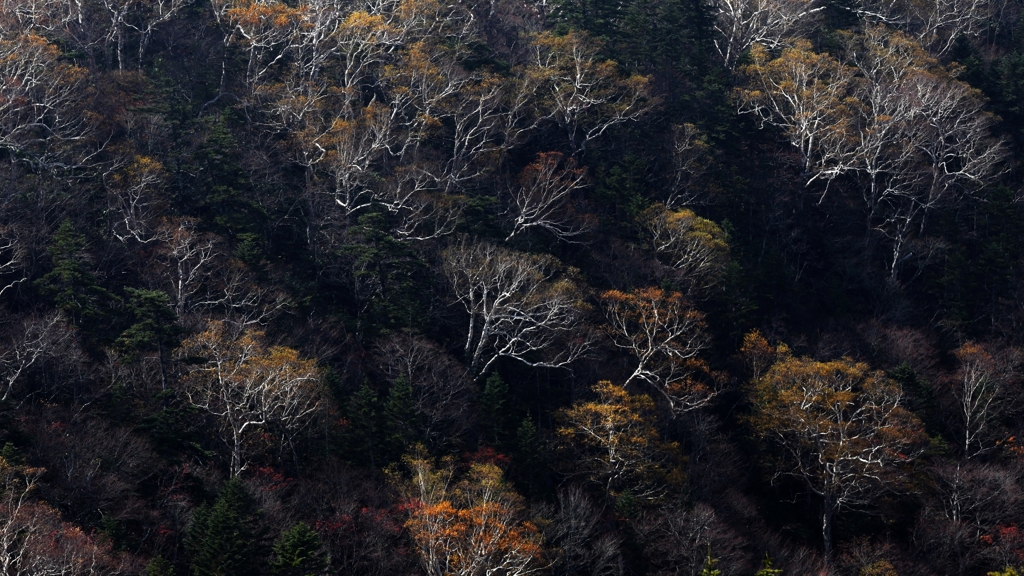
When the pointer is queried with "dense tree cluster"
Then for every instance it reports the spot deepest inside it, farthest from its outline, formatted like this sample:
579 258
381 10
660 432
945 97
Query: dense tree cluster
666 287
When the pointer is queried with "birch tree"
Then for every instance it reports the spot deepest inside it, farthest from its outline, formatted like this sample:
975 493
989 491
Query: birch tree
842 430
34 541
12 252
189 256
978 390
740 24
249 388
133 199
40 103
521 306
612 442
697 249
916 137
664 335
923 138
806 95
543 197
476 526
33 342
582 94
691 157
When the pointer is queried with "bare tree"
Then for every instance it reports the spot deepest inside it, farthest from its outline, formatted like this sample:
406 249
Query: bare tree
159 12
242 300
938 24
579 543
696 248
11 254
691 157
189 255
40 16
771 23
34 541
248 387
521 306
978 390
40 99
37 340
543 197
443 389
664 335
966 501
678 540
935 24
133 193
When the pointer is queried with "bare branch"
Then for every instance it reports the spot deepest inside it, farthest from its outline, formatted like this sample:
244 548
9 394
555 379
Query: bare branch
520 306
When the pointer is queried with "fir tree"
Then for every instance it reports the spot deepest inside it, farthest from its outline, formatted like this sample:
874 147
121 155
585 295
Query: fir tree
159 566
362 438
69 286
494 407
709 565
400 418
529 456
225 539
767 569
153 326
298 553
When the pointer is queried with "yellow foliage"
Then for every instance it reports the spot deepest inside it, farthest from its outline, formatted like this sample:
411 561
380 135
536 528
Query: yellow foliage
613 442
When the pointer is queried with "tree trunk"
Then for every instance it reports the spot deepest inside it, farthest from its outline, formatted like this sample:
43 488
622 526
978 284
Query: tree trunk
827 516
236 454
163 368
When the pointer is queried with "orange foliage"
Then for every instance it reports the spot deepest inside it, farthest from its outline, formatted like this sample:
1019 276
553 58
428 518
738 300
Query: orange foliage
475 527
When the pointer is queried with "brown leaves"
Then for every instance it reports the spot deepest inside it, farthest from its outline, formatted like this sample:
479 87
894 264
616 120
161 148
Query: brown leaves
612 441
841 427
696 248
249 387
664 334
476 525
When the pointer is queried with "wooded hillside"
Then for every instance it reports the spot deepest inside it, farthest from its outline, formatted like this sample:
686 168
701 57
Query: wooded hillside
460 288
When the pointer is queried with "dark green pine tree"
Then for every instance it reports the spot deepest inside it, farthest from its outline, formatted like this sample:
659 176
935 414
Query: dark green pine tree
152 326
159 566
72 288
298 553
400 419
225 539
362 438
529 457
494 410
218 190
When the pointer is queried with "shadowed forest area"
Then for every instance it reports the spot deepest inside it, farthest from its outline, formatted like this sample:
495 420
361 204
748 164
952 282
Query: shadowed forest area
554 287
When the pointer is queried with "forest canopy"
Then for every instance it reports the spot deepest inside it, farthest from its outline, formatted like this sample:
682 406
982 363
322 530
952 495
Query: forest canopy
567 287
